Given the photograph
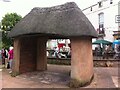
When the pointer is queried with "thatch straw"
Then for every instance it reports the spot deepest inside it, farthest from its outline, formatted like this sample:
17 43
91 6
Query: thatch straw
65 20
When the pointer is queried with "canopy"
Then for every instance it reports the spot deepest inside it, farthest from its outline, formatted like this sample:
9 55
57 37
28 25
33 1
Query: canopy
102 42
116 42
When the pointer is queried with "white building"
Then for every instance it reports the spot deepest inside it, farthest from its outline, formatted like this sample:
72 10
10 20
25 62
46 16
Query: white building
104 15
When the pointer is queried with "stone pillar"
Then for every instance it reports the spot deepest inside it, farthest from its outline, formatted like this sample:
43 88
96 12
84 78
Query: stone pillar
41 54
24 54
81 60
16 60
28 51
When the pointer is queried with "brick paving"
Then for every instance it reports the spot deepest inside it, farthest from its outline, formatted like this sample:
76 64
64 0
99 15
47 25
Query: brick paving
57 76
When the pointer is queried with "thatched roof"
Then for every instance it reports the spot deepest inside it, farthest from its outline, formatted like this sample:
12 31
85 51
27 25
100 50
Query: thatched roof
65 20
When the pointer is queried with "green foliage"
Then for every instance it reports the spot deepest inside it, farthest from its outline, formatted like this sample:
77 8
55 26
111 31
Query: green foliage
0 45
8 22
6 41
74 83
14 74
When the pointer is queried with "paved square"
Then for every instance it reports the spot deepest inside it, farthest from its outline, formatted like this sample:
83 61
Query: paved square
57 76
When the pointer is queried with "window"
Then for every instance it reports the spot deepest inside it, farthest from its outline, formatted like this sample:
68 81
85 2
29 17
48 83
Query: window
101 24
101 18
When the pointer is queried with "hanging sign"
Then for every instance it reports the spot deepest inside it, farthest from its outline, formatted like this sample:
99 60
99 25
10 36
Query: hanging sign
117 18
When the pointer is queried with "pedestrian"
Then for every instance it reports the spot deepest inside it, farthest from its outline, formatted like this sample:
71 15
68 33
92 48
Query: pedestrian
3 56
6 57
107 51
0 55
56 51
10 57
117 52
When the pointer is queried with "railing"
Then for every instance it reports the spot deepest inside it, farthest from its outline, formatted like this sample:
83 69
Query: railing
106 55
96 55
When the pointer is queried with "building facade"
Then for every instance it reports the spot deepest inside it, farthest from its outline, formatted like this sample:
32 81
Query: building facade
105 17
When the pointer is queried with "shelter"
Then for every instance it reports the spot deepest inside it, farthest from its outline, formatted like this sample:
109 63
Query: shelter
105 42
116 42
62 21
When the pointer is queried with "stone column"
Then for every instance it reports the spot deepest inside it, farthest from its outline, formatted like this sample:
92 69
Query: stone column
24 54
81 60
16 60
28 51
41 54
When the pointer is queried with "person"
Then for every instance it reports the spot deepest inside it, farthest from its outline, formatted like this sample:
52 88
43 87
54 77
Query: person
6 57
0 55
10 57
69 54
6 53
107 50
56 51
3 56
117 51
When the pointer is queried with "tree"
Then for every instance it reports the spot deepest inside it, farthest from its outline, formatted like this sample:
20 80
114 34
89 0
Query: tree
8 22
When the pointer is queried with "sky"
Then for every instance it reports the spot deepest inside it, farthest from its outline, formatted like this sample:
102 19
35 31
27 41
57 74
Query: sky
23 7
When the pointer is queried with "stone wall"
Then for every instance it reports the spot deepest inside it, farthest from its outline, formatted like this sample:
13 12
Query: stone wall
96 63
